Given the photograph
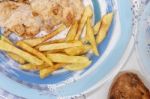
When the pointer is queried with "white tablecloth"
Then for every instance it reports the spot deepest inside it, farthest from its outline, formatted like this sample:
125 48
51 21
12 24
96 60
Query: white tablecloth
103 91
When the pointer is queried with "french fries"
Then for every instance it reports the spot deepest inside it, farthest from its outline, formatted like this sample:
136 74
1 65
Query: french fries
72 32
87 13
56 46
77 67
32 67
5 39
49 70
33 51
34 41
51 42
46 55
16 58
91 38
62 58
80 50
37 41
4 46
12 55
97 27
106 23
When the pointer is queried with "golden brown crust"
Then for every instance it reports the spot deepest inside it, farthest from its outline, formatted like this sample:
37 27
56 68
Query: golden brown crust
128 86
28 17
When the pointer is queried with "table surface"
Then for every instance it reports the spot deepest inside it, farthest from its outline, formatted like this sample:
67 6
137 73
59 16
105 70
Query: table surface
131 65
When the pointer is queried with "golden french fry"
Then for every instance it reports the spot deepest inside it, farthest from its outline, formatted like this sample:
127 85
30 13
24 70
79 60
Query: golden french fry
5 39
49 70
77 50
33 51
91 38
77 67
51 42
97 27
32 67
12 55
55 41
57 46
106 23
26 56
84 40
87 13
72 32
54 51
62 58
16 58
34 41
37 41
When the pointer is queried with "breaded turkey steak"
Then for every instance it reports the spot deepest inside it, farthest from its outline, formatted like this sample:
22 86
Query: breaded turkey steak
18 18
128 86
57 11
27 19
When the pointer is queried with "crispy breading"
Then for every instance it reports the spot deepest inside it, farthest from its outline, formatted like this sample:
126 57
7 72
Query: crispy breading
18 18
57 11
27 19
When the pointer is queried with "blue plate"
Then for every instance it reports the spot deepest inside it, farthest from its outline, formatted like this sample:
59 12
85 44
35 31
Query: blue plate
66 83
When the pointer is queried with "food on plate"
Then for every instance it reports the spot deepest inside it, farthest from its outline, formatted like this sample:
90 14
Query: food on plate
77 66
32 67
63 40
12 55
12 18
62 58
38 14
72 32
4 46
79 50
37 41
105 25
57 46
47 54
7 32
97 27
35 52
57 11
90 36
3 38
16 58
87 13
21 1
49 70
129 86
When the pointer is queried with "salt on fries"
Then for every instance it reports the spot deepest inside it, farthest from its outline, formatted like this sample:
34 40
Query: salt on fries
47 56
